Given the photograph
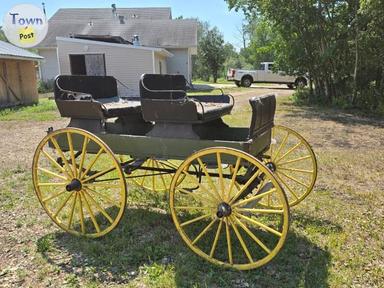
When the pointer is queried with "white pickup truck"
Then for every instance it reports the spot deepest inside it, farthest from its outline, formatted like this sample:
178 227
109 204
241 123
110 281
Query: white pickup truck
264 74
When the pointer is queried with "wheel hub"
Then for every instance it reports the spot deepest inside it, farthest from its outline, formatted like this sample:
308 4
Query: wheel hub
271 166
74 185
223 210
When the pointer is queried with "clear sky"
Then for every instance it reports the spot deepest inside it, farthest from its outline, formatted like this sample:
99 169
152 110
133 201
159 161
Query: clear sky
216 12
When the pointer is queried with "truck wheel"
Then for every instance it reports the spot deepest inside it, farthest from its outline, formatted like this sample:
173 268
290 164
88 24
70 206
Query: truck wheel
246 81
238 84
300 82
290 86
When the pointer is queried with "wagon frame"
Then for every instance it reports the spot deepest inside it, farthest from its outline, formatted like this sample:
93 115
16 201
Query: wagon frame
230 190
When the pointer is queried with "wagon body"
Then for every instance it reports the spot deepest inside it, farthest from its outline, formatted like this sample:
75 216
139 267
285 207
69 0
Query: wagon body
239 180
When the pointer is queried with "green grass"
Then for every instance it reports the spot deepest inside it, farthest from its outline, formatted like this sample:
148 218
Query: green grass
219 81
45 110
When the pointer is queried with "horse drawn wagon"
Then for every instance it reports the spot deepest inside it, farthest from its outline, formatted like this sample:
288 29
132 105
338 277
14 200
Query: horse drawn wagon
230 189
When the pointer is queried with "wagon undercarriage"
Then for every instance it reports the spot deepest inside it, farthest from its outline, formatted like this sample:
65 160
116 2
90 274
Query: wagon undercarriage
229 189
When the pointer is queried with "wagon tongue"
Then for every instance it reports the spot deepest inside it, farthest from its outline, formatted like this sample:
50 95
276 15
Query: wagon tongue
223 210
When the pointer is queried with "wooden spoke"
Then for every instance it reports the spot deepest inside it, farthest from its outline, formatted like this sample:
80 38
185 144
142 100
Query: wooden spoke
214 244
233 179
106 198
161 176
229 244
194 220
72 153
253 198
101 150
252 235
297 170
294 179
98 207
255 222
288 152
52 173
261 211
101 173
81 214
62 205
191 208
241 240
93 218
205 230
250 180
102 184
220 169
294 160
201 185
280 147
61 153
83 154
52 184
287 187
213 187
49 157
72 211
54 196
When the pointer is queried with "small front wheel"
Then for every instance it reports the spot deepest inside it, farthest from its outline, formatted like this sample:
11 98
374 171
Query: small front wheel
79 182
215 200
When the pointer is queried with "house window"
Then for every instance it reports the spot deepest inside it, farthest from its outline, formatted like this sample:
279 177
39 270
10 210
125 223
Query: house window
160 68
87 64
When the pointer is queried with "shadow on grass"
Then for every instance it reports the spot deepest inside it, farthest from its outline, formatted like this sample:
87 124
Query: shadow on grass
350 118
146 238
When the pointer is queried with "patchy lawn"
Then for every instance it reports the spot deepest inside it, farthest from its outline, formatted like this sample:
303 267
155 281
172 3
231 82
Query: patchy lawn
335 239
45 110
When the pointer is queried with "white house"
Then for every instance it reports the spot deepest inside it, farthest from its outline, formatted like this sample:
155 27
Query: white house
125 62
155 28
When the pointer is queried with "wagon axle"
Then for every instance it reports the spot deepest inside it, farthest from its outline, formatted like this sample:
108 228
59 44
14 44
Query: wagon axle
74 185
223 210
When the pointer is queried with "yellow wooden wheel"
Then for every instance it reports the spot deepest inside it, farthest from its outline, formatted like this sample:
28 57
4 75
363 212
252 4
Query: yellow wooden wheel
293 162
222 221
79 182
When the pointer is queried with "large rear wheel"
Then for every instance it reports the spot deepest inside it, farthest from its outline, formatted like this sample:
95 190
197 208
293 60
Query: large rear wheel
79 182
217 211
293 162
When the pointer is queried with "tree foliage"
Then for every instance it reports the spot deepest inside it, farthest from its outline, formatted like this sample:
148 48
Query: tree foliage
211 52
339 43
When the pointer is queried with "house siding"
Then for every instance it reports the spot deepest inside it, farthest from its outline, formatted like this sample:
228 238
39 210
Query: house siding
49 68
125 64
180 62
160 59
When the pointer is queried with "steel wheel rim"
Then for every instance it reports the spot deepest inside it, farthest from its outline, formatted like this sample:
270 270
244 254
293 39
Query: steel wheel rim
97 202
223 229
296 170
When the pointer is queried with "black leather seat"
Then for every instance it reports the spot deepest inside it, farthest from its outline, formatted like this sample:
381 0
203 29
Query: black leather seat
164 99
91 97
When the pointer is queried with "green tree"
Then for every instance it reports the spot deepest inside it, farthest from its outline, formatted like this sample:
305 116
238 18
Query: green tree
339 43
